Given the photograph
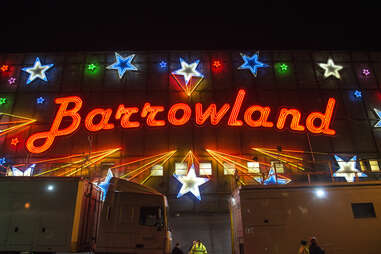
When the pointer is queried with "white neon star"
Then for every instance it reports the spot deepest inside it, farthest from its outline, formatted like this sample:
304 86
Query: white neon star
330 69
188 70
348 169
190 183
27 172
37 71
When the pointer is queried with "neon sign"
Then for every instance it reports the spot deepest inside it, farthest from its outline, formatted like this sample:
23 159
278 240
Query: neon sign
178 114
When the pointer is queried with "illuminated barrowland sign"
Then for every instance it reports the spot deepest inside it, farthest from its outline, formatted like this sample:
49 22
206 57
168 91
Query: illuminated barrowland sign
178 114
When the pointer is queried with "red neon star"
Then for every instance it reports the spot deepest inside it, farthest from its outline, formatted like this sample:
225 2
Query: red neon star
217 64
15 141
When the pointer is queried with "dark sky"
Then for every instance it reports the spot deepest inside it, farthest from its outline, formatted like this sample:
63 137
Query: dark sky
107 25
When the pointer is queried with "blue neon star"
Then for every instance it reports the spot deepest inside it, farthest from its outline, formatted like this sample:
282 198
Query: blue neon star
358 94
163 64
122 64
3 161
252 63
37 71
378 113
272 179
105 184
40 100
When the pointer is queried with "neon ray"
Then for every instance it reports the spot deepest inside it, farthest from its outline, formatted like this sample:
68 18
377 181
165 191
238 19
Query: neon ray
220 161
17 123
83 156
101 157
152 159
147 166
284 160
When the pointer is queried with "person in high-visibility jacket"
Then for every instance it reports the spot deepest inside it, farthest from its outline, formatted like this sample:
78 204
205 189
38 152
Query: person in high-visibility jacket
198 248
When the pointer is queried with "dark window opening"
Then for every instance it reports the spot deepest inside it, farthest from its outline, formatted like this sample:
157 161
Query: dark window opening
151 216
363 210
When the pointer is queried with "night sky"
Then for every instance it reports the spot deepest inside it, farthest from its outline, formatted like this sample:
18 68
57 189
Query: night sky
39 26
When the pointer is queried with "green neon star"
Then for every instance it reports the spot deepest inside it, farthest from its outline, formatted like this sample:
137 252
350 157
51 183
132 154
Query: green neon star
283 67
91 67
3 100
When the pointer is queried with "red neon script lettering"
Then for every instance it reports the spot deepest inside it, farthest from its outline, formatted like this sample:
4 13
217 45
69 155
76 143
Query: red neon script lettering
127 112
152 111
103 123
54 131
211 111
296 115
187 112
324 118
236 108
262 120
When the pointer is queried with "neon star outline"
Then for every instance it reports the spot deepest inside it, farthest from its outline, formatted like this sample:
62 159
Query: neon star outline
40 100
188 70
3 101
348 169
249 64
163 64
4 68
105 183
357 93
122 64
330 69
11 80
91 67
27 172
15 141
378 113
190 183
37 71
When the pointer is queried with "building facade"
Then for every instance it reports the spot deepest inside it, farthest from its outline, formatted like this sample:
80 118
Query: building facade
240 117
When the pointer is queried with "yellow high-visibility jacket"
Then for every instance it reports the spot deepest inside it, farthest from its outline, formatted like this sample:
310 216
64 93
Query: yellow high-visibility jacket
198 248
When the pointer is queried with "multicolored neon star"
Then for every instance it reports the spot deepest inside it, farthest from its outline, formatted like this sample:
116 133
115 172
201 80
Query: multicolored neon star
4 68
330 69
105 184
40 100
122 64
358 94
3 101
273 179
190 183
348 169
378 113
11 80
37 71
3 161
163 64
252 63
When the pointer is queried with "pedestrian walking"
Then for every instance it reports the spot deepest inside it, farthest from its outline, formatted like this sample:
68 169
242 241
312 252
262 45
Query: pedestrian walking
177 249
303 249
314 247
